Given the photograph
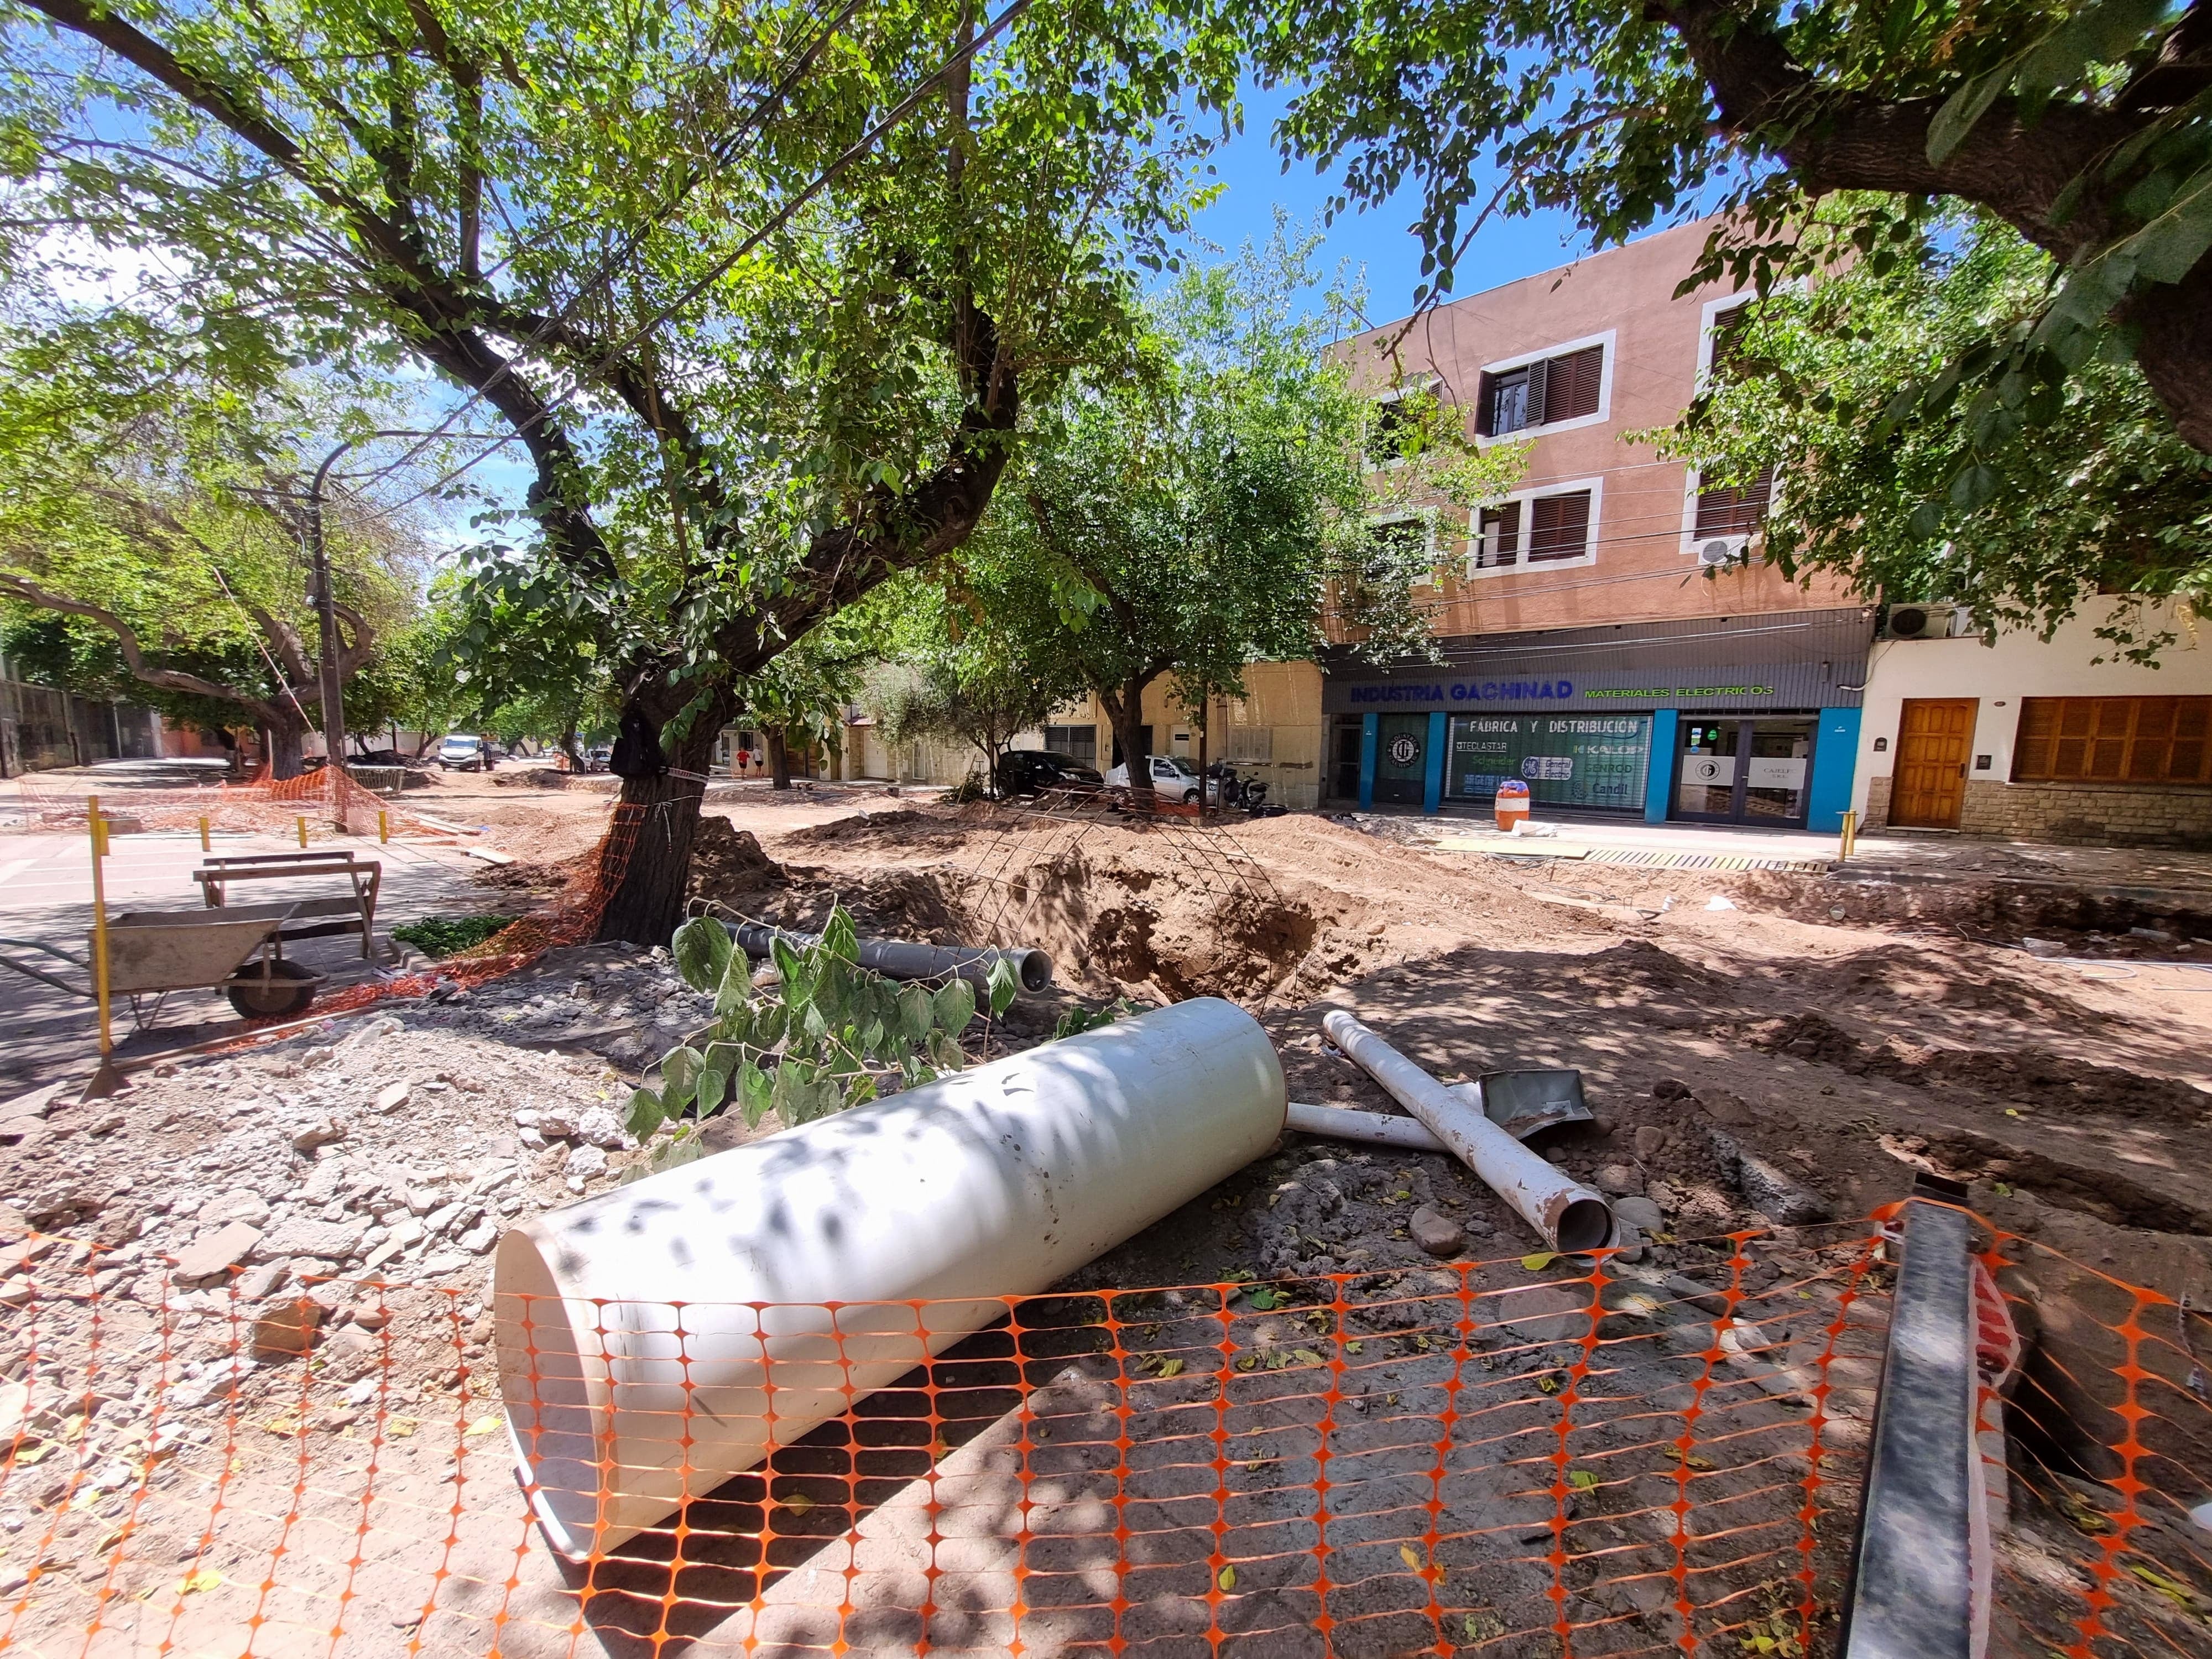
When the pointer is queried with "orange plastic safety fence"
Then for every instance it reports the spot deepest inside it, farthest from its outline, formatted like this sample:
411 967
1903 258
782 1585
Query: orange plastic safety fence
1503 1457
255 806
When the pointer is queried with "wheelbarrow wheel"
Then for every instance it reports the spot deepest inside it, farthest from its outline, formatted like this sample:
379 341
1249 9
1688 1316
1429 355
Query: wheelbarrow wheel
283 992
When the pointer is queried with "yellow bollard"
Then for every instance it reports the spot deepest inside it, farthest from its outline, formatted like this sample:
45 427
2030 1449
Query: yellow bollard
384 826
1847 844
99 828
303 831
205 846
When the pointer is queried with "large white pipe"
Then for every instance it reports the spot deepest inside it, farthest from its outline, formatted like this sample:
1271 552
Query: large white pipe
1569 1215
660 1338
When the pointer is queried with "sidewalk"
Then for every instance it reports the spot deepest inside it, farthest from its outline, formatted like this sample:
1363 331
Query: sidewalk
1928 858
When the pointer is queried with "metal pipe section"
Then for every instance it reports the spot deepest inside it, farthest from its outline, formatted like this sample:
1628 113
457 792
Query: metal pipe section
1370 1129
898 958
1918 1583
662 1337
1567 1214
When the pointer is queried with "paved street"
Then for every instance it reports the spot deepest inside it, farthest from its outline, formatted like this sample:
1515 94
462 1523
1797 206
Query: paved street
46 896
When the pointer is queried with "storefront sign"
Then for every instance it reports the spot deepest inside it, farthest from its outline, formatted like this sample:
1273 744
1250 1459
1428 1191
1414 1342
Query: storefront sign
1465 691
1566 760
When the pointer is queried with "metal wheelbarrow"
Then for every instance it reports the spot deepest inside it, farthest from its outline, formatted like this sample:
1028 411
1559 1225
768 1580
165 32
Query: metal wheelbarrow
238 951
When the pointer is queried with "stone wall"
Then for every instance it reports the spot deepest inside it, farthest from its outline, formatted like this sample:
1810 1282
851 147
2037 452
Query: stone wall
2071 814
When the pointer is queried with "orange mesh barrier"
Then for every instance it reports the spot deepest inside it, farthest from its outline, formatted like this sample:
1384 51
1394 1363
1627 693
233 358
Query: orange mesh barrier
1477 1457
257 806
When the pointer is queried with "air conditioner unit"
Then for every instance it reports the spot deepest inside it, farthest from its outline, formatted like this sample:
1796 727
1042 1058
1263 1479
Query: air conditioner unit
1717 550
1922 621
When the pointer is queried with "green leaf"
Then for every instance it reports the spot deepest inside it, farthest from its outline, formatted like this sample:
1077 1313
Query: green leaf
789 966
713 1085
723 1057
916 1013
1005 984
1541 1260
1581 1479
770 1020
953 1006
1226 1578
701 949
645 1113
838 937
944 1049
756 1093
737 988
679 1077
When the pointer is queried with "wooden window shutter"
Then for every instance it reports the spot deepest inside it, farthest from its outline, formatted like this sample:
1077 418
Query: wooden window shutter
1485 405
1735 509
2114 740
1499 528
1571 383
1558 527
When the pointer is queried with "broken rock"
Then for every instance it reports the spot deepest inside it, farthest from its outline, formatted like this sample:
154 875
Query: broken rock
216 1252
600 1126
237 1204
1640 1213
321 1132
1617 1181
1439 1235
1765 1188
304 1235
287 1330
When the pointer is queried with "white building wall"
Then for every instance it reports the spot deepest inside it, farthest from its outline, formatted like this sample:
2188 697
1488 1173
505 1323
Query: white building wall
2018 666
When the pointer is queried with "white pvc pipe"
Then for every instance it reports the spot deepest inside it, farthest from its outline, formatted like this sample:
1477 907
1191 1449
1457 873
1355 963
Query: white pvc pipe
1370 1129
1569 1215
662 1337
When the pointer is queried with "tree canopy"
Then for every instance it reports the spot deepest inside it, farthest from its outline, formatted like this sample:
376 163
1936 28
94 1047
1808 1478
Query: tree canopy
1935 505
761 293
152 507
1191 519
2084 124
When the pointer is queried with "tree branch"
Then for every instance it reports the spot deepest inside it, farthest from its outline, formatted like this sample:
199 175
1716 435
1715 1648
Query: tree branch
126 642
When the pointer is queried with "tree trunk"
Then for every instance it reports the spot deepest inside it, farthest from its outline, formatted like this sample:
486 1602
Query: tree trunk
1204 709
647 906
573 749
779 760
284 758
647 903
1125 712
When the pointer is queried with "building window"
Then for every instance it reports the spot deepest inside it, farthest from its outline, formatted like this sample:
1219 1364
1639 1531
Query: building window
1076 742
1560 526
1250 745
2114 740
1735 510
1551 390
1553 526
1497 537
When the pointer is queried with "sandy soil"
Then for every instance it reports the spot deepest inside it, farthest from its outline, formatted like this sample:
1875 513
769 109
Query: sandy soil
1744 1040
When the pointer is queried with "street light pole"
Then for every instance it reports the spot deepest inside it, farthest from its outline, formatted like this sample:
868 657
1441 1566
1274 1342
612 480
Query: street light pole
326 615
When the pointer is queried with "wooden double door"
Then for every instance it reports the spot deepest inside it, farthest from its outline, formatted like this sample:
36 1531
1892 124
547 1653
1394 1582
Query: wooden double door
1928 783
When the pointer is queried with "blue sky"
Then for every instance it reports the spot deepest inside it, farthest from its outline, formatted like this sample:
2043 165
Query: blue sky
1381 241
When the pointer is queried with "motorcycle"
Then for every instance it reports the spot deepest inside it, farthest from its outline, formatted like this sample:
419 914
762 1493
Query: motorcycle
1226 790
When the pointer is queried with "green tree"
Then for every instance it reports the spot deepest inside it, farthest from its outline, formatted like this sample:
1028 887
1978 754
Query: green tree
965 679
2081 124
1910 502
158 506
762 295
1193 519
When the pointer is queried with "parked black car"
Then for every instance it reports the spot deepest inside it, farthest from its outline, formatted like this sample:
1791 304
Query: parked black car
1033 771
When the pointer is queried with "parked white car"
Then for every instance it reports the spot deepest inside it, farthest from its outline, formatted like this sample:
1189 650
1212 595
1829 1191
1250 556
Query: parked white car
1172 779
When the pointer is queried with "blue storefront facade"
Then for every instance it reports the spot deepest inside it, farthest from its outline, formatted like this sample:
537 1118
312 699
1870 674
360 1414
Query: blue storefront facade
1749 721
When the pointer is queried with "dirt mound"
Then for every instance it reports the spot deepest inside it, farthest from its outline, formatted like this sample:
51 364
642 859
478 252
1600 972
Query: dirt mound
727 862
2033 1076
